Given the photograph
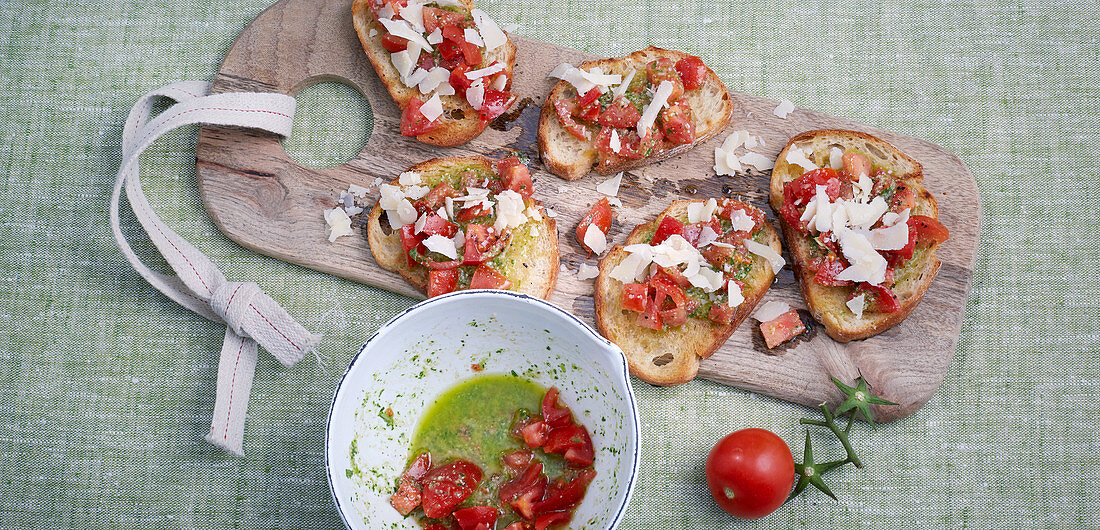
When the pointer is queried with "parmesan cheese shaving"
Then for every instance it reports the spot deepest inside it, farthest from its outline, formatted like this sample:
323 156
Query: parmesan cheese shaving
587 272
610 187
337 224
649 115
433 108
614 143
621 89
771 310
509 211
413 13
796 156
836 158
401 28
473 37
409 178
742 221
497 66
442 245
475 95
764 251
435 37
867 264
595 239
700 212
734 294
758 161
857 304
491 34
785 107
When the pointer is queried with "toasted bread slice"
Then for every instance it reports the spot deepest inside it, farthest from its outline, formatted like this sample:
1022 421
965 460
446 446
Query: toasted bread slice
671 356
529 260
460 122
571 158
912 278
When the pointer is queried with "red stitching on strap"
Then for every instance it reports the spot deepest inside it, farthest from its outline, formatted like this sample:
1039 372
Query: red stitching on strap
274 328
232 383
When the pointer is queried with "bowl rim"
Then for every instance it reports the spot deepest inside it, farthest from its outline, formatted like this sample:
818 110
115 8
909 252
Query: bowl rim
624 376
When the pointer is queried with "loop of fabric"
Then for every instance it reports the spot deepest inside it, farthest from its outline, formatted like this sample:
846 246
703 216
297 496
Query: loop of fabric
250 315
231 302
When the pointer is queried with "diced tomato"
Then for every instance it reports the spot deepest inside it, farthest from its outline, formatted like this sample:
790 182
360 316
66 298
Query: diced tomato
483 243
376 5
473 212
436 198
413 122
650 318
471 518
458 79
670 300
621 113
800 191
668 227
855 164
677 124
516 177
409 242
782 328
553 519
581 454
928 229
436 225
553 412
439 18
471 52
692 233
517 460
599 216
485 277
530 477
407 497
692 72
673 275
904 198
534 434
566 492
719 256
664 69
442 281
588 98
634 296
394 44
721 313
435 526
495 103
878 299
450 50
418 468
516 526
447 486
524 504
564 108
827 271
563 437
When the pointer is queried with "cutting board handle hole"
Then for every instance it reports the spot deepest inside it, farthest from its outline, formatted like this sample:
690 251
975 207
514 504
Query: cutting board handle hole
332 124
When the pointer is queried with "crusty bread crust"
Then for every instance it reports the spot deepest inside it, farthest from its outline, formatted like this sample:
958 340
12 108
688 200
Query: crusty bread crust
827 303
533 260
671 356
459 123
571 158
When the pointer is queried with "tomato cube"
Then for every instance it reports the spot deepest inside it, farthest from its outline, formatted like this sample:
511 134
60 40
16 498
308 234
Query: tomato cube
635 296
669 226
782 328
442 281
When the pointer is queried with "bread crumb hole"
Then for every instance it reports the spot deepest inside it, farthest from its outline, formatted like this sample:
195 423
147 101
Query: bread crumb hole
662 360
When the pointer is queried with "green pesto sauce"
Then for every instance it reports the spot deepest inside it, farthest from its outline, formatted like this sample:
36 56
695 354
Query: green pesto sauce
473 419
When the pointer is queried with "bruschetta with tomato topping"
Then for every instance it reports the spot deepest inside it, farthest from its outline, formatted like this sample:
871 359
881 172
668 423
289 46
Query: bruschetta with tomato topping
861 229
627 112
683 283
446 64
465 223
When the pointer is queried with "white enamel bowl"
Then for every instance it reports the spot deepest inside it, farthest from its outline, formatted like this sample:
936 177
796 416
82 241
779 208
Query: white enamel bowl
421 353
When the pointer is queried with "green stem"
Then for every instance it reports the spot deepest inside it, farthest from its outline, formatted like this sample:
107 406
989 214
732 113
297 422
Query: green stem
842 436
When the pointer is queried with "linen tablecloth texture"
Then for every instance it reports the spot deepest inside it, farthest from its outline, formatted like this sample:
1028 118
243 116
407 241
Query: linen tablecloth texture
108 386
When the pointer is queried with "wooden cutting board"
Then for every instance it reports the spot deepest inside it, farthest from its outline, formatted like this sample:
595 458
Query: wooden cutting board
263 200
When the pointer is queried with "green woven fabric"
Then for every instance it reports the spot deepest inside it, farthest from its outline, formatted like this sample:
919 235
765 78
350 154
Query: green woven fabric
107 386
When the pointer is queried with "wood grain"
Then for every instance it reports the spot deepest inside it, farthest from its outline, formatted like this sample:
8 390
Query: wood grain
263 200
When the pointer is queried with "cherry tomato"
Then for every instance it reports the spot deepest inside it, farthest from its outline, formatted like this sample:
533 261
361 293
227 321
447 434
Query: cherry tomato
750 473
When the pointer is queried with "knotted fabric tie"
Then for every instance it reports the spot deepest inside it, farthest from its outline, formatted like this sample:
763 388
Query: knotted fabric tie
250 316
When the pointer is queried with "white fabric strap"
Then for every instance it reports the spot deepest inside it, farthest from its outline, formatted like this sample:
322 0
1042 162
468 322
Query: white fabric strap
250 315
